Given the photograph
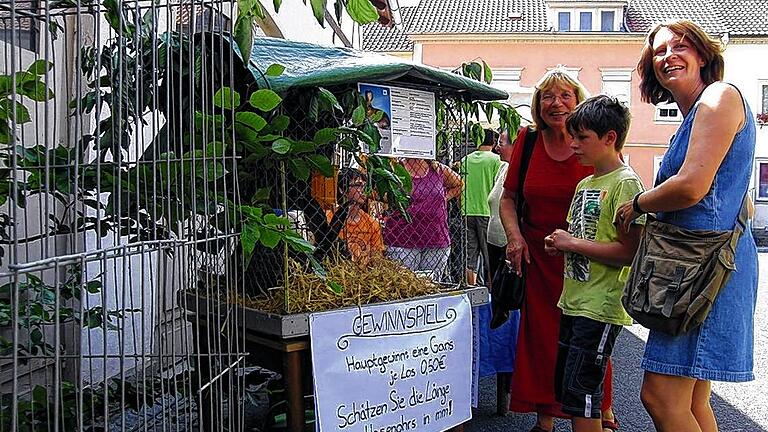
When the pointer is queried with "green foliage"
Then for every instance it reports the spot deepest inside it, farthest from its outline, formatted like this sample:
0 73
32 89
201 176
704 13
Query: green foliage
42 306
13 89
449 112
362 11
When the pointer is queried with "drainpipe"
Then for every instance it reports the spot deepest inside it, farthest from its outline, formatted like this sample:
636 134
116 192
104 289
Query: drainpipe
394 8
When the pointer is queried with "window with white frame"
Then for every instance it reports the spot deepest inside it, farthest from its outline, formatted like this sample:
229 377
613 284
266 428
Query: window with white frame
618 83
507 79
564 21
607 20
762 180
763 105
667 113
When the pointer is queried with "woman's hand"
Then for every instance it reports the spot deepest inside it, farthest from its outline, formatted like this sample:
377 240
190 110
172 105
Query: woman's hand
517 251
625 215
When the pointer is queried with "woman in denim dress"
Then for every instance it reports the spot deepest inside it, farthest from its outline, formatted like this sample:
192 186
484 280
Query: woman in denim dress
701 183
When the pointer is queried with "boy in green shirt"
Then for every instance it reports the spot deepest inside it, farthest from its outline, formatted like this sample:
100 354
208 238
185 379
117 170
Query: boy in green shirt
596 253
480 168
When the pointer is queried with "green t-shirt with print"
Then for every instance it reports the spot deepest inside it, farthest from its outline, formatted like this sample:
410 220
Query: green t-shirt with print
592 289
480 168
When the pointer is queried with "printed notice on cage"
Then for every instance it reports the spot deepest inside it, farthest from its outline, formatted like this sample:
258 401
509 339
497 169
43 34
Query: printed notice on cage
405 119
394 367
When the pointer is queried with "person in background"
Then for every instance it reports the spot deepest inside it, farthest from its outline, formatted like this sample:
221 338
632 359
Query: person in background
360 231
501 341
549 185
596 256
701 184
480 168
424 244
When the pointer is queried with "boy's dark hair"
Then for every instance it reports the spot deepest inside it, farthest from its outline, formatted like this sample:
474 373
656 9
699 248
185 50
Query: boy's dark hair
490 137
601 114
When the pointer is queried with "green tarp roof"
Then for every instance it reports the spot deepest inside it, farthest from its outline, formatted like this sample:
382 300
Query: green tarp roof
314 65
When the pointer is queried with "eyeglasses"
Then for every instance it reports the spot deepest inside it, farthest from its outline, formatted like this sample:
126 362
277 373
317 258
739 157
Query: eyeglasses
565 97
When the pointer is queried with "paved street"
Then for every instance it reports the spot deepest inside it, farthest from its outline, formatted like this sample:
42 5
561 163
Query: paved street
739 407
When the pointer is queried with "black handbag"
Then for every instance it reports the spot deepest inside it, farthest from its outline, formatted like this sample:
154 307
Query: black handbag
507 287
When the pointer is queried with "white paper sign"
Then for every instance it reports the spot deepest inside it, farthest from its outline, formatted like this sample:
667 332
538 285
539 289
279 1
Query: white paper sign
405 118
394 367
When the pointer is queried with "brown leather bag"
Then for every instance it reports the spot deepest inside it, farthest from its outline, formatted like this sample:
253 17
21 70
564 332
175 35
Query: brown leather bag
677 273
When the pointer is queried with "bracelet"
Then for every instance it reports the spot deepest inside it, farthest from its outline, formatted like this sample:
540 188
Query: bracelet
636 205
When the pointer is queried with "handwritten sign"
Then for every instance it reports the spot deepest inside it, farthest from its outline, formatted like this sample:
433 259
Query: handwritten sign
394 367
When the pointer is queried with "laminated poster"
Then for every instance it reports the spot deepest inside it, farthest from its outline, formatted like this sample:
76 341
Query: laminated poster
404 366
405 118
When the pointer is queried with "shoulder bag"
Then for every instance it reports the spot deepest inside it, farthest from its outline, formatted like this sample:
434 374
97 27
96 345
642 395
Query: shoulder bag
677 273
508 288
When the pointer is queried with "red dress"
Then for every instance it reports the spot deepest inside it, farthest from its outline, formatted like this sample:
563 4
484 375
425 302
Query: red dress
548 189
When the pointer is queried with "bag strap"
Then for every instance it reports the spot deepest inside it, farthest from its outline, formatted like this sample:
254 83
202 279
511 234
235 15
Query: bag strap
746 213
528 142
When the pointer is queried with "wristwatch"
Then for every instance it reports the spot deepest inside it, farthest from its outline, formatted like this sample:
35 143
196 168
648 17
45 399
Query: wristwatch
636 205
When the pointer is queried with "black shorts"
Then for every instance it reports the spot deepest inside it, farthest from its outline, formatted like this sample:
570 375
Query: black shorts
584 348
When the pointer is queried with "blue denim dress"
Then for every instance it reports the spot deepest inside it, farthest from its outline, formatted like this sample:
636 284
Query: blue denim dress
721 348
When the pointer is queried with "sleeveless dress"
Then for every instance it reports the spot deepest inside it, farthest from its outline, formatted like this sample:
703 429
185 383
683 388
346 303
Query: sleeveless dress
721 348
548 190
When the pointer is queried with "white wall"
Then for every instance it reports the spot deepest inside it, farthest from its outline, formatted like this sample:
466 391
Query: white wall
297 23
745 66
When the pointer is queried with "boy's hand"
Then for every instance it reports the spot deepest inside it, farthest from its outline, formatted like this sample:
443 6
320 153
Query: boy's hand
561 240
549 246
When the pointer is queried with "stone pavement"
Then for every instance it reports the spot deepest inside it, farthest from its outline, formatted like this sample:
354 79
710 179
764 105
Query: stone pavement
738 407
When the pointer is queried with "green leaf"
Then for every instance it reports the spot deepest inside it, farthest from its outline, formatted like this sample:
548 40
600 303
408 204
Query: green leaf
362 11
279 124
318 9
277 4
373 133
488 74
405 178
226 98
358 115
250 119
243 34
5 133
335 286
274 220
325 136
270 238
20 113
299 169
36 336
275 69
40 67
296 242
265 100
281 146
35 90
249 235
321 164
93 287
328 98
261 194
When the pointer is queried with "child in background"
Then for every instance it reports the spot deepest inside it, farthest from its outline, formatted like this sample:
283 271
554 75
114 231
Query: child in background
361 232
596 253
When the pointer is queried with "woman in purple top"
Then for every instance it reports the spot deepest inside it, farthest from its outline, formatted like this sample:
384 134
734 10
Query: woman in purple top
425 243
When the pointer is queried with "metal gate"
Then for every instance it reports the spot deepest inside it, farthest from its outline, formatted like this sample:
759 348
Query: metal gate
117 202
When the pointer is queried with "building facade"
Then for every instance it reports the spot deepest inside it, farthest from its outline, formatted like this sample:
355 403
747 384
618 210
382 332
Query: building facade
597 41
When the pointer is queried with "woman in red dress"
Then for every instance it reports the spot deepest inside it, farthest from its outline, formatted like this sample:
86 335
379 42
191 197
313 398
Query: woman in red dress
553 173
